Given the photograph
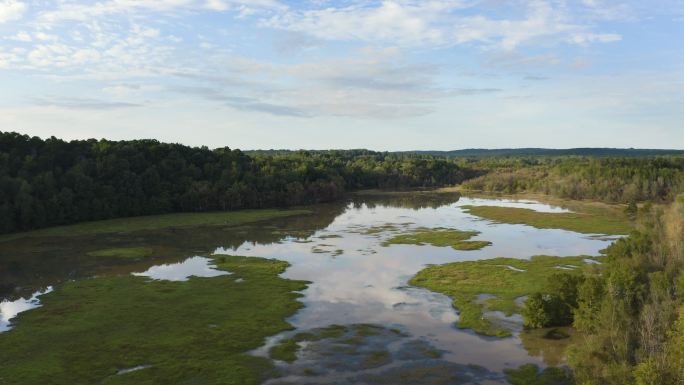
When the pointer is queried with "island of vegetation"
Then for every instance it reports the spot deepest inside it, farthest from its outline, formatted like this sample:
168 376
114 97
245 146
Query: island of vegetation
477 287
440 237
610 221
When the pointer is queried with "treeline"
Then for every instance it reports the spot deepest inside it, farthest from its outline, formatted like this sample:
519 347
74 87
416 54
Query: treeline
53 182
621 180
630 309
517 152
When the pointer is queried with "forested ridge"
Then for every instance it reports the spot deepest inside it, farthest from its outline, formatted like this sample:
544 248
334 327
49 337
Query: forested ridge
52 182
612 179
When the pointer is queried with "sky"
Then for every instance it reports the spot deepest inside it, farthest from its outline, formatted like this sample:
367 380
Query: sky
318 74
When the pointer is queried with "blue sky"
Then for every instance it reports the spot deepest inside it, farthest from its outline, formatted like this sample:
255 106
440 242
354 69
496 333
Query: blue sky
385 75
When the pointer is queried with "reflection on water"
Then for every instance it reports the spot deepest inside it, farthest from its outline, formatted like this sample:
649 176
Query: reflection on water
191 267
10 309
365 282
515 203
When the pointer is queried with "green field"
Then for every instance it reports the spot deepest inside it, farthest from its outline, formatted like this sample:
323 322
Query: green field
590 221
464 282
440 237
192 332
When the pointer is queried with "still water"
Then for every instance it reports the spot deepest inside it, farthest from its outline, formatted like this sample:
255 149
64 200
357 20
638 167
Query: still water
358 280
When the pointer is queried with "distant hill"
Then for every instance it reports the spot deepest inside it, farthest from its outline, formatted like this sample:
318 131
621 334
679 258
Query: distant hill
483 152
552 152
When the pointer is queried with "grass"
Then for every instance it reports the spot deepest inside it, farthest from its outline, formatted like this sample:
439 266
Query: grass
125 253
593 220
192 332
285 350
155 222
465 281
530 374
440 237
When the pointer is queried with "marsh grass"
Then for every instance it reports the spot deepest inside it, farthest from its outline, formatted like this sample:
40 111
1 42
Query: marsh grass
125 252
192 332
591 220
464 282
440 237
155 222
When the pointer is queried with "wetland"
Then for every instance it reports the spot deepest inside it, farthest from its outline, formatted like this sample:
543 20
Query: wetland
382 288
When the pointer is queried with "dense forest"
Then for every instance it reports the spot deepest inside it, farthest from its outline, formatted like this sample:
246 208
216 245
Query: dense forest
618 180
53 182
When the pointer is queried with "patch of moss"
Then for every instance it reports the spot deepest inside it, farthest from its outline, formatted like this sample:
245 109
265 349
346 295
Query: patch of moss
594 221
440 237
124 252
154 222
192 332
500 278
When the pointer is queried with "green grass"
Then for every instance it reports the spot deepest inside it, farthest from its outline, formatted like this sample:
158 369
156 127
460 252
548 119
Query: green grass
155 222
125 252
440 237
530 374
465 281
285 350
192 332
590 221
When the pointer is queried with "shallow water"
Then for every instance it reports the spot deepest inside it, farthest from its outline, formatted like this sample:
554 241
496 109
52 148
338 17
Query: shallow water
358 280
182 271
10 309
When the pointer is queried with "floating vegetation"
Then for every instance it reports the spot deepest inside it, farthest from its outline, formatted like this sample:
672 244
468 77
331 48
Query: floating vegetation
361 353
440 237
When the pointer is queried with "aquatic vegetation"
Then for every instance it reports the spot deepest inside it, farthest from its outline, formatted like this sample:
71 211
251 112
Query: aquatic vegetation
590 222
123 252
380 229
154 222
197 331
465 282
530 374
549 344
440 237
359 353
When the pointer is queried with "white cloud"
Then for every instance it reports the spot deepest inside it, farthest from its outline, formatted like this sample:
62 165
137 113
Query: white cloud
22 36
440 23
11 10
587 38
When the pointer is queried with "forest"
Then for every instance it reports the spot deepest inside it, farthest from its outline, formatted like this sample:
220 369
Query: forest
53 182
630 309
48 182
609 179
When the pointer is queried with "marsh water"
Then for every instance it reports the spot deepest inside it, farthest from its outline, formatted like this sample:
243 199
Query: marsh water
356 279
